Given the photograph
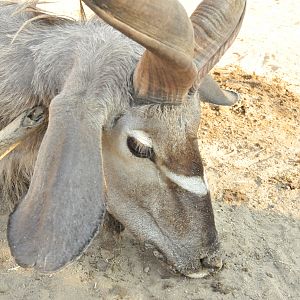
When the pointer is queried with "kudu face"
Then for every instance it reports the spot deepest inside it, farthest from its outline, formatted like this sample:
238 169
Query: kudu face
138 160
156 184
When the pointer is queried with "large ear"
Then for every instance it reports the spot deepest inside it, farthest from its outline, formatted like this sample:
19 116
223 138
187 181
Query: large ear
209 91
64 206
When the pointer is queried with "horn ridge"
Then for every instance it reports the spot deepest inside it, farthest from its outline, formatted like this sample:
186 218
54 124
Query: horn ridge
180 50
166 70
216 25
154 78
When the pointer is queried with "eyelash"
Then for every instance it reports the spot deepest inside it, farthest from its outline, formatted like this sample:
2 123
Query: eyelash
138 149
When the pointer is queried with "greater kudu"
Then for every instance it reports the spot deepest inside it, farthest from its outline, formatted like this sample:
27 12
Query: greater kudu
120 126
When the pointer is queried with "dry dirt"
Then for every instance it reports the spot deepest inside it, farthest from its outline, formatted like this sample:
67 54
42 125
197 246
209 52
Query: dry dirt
252 157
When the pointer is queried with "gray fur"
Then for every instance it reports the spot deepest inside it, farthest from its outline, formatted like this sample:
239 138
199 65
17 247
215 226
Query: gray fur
82 73
35 67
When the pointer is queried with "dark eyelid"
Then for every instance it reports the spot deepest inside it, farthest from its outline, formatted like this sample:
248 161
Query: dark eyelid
138 149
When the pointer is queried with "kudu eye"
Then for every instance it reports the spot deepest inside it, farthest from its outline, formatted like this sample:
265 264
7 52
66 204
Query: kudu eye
138 149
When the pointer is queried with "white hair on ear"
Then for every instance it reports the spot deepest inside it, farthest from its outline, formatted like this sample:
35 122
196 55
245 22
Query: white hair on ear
142 137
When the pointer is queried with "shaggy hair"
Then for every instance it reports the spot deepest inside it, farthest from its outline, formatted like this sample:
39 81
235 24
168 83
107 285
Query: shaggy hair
38 53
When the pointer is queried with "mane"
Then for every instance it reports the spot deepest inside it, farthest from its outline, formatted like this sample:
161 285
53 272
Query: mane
31 6
32 75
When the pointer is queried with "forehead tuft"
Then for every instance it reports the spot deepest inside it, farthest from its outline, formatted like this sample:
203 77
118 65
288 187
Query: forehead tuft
183 118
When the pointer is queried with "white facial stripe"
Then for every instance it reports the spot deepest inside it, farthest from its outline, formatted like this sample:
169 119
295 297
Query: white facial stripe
142 137
193 184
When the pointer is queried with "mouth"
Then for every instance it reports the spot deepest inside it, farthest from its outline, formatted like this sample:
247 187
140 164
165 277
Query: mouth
209 266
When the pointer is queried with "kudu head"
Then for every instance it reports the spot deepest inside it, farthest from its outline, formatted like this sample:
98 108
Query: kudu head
144 166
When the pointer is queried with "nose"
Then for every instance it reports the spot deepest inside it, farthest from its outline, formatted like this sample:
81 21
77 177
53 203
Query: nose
209 265
210 261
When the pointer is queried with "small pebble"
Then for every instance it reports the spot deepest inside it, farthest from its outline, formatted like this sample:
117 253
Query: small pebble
146 269
106 254
270 275
4 288
102 265
157 254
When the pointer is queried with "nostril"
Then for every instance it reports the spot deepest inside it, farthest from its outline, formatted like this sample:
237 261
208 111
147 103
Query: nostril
215 263
210 265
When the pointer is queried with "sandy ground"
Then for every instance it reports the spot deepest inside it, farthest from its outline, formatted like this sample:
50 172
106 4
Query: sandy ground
252 157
